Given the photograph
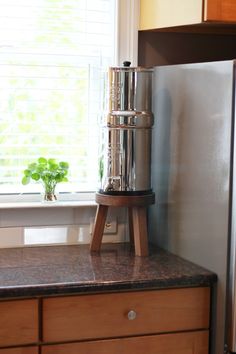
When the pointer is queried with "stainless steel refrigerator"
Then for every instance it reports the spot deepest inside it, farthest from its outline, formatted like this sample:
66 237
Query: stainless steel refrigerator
194 177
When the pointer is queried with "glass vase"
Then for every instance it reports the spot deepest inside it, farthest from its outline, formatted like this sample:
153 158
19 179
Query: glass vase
49 197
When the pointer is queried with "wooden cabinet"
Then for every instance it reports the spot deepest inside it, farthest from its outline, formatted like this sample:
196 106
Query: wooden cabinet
18 322
156 14
22 350
179 343
131 322
109 315
167 13
220 10
170 321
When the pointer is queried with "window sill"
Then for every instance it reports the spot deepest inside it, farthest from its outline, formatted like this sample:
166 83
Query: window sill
57 204
24 201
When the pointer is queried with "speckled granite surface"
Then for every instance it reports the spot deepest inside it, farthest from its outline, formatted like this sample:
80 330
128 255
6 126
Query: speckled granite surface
72 269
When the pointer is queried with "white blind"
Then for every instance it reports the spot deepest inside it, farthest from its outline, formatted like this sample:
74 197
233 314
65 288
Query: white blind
53 54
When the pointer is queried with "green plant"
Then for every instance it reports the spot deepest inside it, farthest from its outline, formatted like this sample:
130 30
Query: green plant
48 172
100 168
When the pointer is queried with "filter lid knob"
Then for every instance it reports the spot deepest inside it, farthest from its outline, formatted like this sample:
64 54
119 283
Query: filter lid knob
127 63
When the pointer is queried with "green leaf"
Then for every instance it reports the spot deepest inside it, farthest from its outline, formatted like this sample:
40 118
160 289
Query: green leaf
27 173
35 176
25 180
53 166
42 160
59 177
32 166
51 161
40 168
47 173
64 165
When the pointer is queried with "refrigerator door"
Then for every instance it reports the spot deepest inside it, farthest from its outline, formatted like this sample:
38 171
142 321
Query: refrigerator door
231 297
191 169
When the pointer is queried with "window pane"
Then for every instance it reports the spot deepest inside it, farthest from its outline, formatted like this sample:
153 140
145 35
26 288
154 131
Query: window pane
53 54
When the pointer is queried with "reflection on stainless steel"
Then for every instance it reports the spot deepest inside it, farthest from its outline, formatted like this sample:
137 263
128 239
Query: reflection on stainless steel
193 174
128 160
130 89
128 119
126 157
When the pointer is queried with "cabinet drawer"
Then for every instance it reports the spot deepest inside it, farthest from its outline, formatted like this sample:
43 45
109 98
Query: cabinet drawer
18 322
106 315
26 350
181 343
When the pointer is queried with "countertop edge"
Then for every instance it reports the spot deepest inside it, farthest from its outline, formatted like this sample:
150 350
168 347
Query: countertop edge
77 288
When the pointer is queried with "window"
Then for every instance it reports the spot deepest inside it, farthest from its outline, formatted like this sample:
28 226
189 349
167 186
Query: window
53 58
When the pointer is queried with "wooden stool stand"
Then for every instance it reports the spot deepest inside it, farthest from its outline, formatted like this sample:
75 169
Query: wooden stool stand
137 207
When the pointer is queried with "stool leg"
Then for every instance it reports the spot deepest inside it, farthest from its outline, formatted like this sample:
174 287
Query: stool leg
140 230
98 229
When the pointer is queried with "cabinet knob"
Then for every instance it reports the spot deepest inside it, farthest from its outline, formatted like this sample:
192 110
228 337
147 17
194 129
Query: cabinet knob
131 315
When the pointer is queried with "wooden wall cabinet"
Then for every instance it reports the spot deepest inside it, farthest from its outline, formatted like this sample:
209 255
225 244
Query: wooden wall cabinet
156 14
220 10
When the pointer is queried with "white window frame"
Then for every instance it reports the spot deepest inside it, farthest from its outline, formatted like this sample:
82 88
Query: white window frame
126 29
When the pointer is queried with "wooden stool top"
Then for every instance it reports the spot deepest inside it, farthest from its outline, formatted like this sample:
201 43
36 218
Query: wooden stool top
123 200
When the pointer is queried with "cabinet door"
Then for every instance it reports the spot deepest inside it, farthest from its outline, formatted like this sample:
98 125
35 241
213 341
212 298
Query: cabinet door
181 343
18 322
26 350
220 10
125 314
168 13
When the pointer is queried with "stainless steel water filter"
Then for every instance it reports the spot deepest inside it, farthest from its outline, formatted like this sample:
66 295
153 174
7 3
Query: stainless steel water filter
126 158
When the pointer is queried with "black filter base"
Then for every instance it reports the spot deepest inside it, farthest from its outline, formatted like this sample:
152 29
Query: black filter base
125 193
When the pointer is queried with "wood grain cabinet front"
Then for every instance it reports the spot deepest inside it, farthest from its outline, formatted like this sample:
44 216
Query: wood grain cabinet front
170 321
179 343
116 315
156 14
18 323
220 10
23 350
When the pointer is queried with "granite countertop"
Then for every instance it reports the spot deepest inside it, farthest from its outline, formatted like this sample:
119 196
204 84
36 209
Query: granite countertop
53 270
